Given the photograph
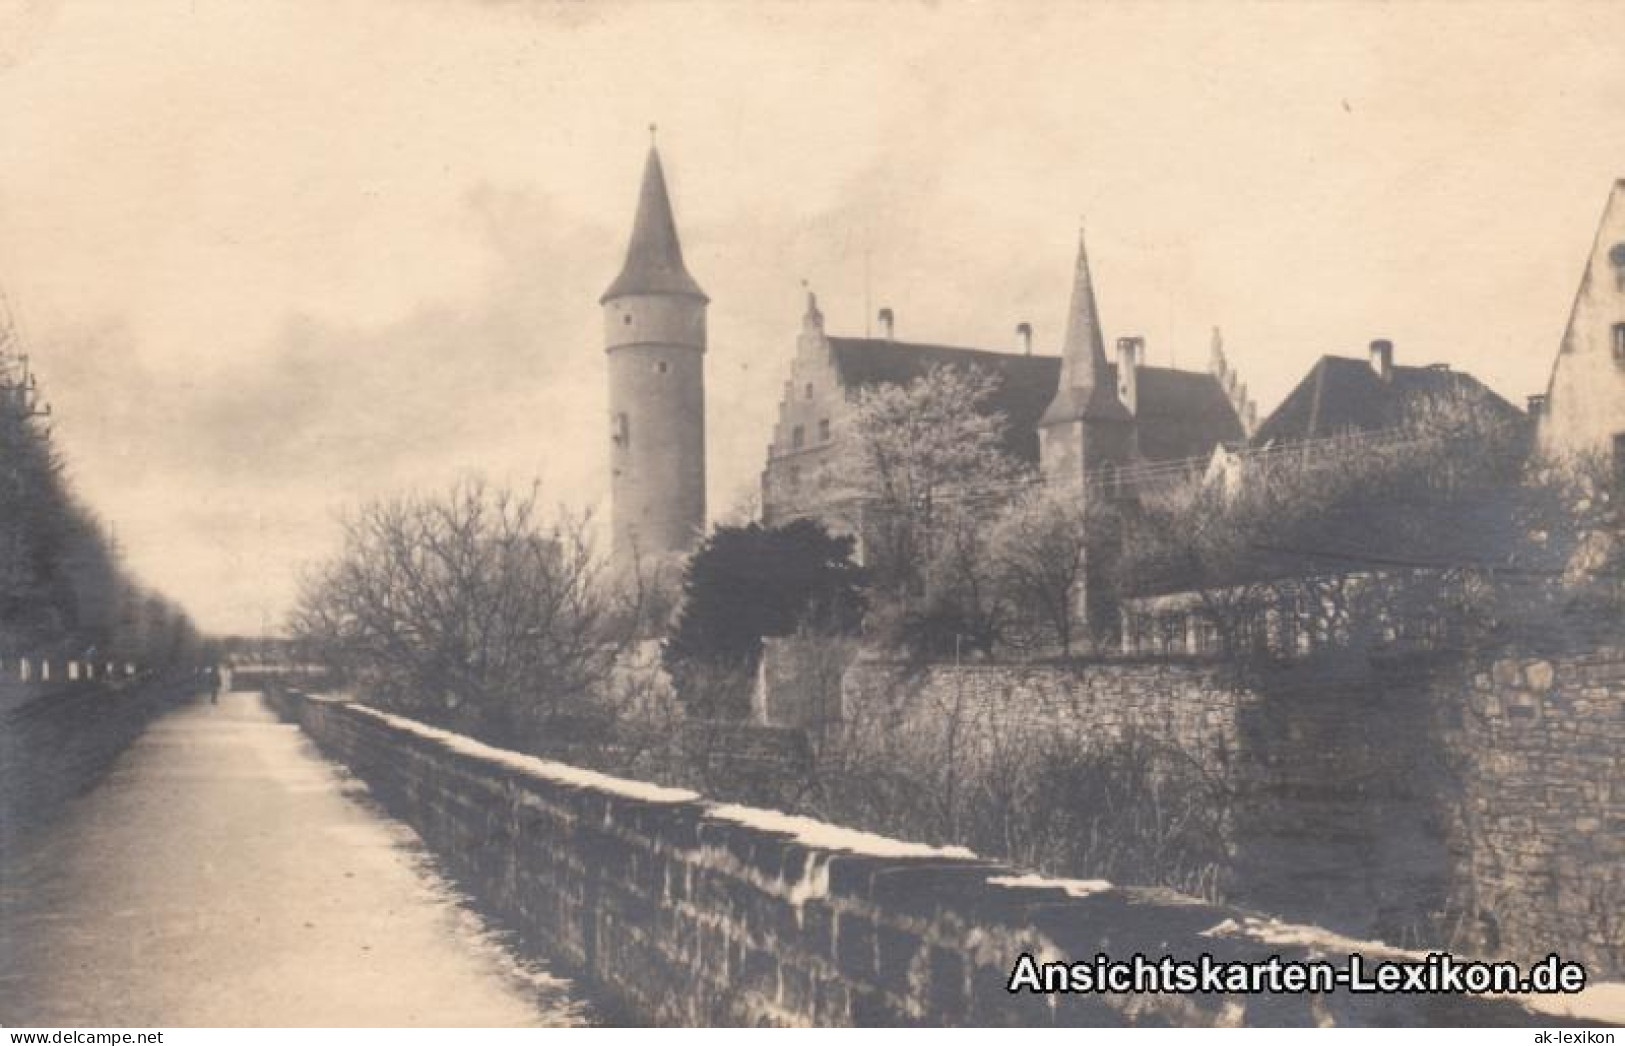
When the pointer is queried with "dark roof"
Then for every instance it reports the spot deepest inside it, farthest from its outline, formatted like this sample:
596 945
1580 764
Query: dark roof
1094 402
654 257
1182 414
1342 395
1026 383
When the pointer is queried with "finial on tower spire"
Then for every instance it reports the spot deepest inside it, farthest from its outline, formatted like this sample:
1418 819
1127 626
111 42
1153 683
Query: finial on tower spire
654 129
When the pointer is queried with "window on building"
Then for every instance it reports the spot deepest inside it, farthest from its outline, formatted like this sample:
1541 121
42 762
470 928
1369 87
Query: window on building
1619 343
808 391
794 476
622 430
823 430
1171 633
798 438
661 366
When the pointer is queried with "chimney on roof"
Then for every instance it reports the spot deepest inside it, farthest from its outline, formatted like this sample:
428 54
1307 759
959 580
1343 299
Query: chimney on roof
1129 353
1024 331
1537 406
1382 358
887 322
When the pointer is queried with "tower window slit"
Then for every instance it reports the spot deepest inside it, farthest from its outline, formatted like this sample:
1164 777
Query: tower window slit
798 438
1619 343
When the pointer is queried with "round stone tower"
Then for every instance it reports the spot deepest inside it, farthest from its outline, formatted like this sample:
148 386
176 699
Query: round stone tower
654 334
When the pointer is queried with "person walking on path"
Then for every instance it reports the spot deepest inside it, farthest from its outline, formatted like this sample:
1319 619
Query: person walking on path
214 684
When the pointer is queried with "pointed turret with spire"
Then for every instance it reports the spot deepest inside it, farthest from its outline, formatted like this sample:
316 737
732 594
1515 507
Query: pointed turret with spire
654 255
654 326
1085 425
1086 389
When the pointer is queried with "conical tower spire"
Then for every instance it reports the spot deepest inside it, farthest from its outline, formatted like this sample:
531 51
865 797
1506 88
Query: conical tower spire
1084 361
1085 389
654 257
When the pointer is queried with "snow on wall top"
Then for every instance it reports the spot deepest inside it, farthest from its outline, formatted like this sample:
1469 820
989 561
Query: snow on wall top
817 834
1073 887
546 769
824 836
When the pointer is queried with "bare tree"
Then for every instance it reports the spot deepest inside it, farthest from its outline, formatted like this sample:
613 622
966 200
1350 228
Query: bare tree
928 463
467 607
1352 539
1045 547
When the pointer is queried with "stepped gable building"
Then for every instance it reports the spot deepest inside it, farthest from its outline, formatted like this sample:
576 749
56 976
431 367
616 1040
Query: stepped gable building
1068 414
654 335
1342 395
1584 407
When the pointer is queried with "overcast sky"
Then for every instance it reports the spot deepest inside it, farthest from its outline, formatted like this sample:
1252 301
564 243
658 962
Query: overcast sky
274 258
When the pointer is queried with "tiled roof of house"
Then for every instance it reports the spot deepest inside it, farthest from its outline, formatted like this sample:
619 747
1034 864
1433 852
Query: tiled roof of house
1181 413
1026 383
1342 395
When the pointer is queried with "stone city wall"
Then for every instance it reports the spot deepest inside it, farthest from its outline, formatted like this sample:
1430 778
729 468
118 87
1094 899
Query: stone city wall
692 913
1418 802
1542 809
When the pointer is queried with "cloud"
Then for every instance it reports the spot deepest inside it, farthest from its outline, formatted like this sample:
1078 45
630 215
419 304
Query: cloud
323 413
